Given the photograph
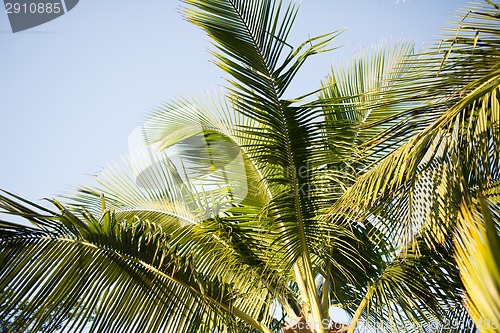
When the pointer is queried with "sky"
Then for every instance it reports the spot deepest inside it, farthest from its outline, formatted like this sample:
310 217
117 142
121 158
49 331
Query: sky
73 89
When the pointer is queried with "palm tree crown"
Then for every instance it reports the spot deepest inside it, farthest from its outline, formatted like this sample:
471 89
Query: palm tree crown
376 193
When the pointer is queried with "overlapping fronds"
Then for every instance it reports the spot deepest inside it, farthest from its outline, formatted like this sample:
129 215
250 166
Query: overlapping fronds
423 179
252 49
108 275
415 194
359 87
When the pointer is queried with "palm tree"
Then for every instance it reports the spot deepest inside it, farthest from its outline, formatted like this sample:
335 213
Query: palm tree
253 211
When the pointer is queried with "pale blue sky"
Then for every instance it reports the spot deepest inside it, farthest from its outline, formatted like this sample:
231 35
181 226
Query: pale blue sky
73 89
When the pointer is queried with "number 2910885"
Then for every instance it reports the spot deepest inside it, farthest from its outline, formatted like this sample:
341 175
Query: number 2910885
33 8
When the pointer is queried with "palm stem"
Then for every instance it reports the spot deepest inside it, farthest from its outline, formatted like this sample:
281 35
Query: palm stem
313 299
325 301
279 297
360 309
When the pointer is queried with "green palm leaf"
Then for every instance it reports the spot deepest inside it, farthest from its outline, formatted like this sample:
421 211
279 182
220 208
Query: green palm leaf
122 272
416 192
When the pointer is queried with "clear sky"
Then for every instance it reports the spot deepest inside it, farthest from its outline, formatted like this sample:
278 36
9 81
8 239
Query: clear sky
73 89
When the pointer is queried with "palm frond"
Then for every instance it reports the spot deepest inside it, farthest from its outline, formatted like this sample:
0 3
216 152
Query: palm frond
415 194
123 272
477 242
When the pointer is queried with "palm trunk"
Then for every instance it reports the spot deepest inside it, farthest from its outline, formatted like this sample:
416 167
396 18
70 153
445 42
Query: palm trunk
311 311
